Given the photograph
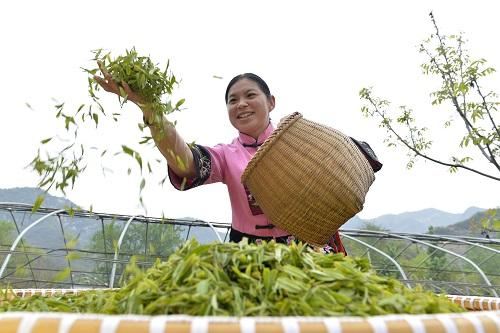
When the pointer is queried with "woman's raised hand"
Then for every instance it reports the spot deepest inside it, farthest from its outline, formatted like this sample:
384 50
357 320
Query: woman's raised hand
110 85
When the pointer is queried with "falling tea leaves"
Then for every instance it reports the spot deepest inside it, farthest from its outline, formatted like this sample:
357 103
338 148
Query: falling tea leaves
60 168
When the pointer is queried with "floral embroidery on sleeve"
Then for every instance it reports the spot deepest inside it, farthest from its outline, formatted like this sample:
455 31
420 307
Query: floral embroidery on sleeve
203 166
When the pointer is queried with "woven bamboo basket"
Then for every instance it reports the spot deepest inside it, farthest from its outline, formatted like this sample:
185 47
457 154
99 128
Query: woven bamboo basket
309 179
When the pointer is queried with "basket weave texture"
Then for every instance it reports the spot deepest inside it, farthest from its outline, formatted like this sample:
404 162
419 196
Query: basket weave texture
309 179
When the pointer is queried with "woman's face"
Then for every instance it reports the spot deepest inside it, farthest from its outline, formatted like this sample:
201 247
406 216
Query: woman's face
248 107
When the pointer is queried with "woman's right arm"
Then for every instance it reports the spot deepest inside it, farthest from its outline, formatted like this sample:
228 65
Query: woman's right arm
172 146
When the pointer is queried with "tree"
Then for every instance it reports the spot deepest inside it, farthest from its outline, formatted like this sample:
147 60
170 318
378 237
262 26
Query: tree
462 91
145 241
436 262
7 234
160 241
460 87
21 269
373 227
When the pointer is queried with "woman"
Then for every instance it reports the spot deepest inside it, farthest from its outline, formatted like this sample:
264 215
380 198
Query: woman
249 103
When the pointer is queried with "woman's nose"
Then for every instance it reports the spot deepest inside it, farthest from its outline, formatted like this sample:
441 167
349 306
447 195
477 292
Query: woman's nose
242 103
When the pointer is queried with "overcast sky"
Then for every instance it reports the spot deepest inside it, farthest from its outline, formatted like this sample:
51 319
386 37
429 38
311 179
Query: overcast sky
315 56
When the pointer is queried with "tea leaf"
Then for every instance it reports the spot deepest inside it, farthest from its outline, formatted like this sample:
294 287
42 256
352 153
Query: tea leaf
128 150
38 202
143 183
62 275
72 243
73 256
95 116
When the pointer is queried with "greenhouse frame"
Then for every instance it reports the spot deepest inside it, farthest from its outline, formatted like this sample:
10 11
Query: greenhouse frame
445 264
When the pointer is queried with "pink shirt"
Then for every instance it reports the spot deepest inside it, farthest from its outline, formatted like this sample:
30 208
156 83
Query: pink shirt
225 163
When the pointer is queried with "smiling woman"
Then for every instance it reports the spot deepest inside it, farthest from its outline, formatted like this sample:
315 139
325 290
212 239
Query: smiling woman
315 59
249 102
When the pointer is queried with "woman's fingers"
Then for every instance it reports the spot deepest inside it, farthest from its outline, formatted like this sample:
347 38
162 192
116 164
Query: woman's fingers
126 87
131 94
104 72
101 82
129 91
107 83
109 86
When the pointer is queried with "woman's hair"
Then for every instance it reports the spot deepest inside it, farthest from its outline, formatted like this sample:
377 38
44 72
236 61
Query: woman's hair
255 78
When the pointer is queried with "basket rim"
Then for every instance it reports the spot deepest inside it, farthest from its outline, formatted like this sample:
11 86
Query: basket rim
268 143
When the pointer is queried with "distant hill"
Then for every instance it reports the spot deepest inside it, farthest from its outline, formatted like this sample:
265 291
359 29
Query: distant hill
471 227
49 234
414 222
28 195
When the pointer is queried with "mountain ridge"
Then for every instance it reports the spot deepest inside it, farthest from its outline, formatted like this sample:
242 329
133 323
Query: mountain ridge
414 221
473 226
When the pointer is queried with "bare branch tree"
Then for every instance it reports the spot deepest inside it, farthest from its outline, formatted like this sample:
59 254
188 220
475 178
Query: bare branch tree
460 76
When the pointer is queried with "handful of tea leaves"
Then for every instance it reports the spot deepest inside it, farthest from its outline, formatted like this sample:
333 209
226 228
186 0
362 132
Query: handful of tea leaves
62 168
243 279
141 75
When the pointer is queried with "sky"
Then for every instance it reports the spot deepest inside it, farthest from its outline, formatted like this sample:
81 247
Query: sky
314 55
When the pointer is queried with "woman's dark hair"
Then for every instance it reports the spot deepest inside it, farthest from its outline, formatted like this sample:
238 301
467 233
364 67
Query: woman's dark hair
255 78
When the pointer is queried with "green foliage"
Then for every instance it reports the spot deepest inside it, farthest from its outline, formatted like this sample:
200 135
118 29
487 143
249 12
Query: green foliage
491 220
142 76
432 267
488 263
479 225
19 267
145 242
38 203
7 233
460 76
372 227
233 279
435 261
60 168
161 238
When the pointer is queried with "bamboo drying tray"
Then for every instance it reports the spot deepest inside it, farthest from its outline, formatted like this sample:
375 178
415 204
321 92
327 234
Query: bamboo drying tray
483 317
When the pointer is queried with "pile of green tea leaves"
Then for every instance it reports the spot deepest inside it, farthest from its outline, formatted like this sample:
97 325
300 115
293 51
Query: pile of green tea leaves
59 162
233 279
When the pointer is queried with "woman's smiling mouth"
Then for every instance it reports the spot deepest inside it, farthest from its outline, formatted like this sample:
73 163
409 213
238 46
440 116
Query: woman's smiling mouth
245 115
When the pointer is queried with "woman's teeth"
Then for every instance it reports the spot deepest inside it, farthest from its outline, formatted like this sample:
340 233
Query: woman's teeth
244 115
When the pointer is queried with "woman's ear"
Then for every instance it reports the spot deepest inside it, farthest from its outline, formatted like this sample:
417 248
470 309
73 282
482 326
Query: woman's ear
271 102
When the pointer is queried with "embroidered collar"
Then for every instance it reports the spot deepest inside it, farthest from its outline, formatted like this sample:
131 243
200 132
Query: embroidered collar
248 141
